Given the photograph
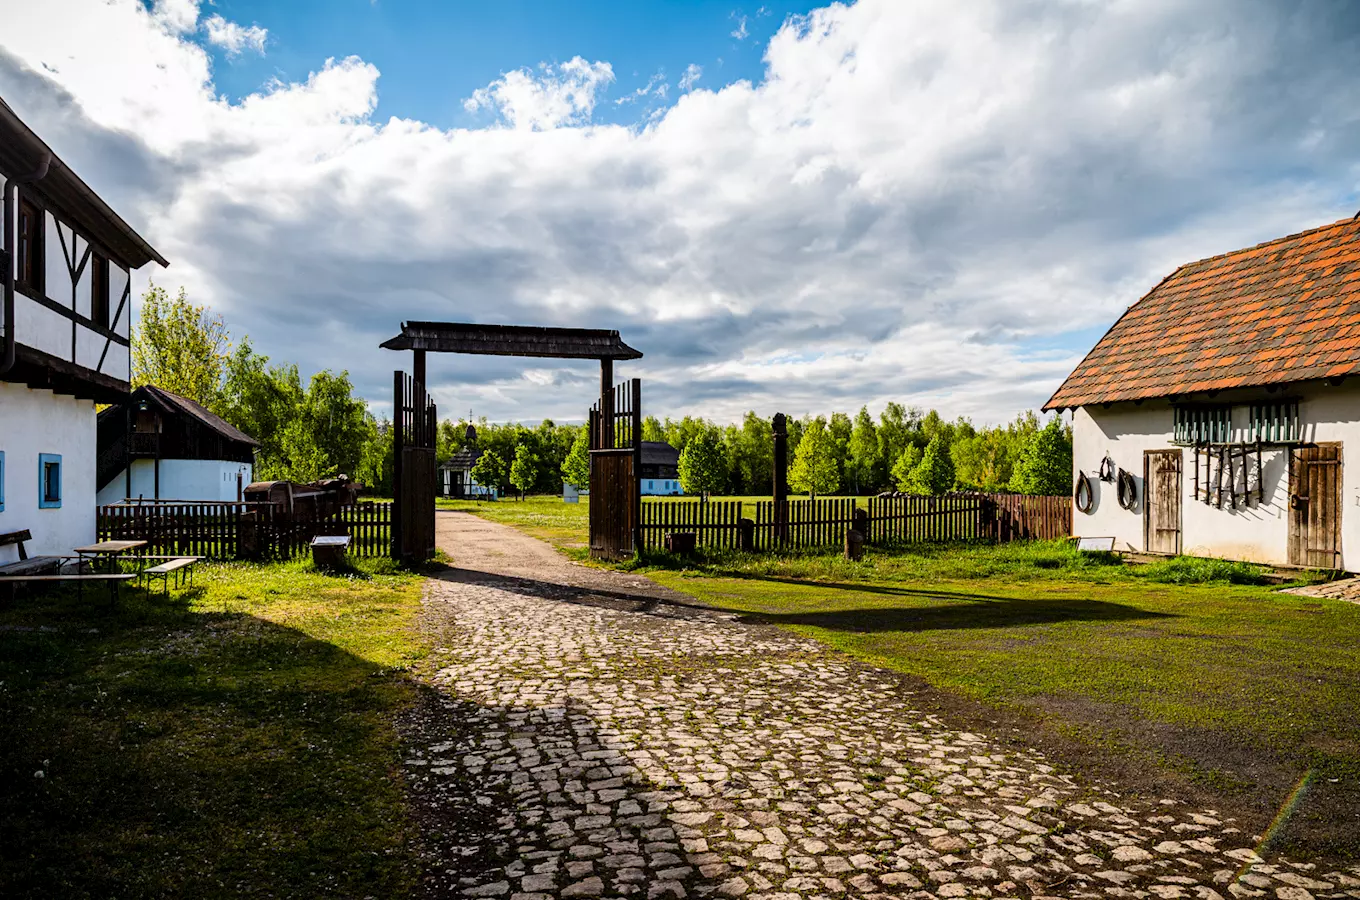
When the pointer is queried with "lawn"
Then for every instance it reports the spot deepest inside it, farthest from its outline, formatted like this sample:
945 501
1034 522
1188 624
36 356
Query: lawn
237 739
1187 677
564 525
1176 673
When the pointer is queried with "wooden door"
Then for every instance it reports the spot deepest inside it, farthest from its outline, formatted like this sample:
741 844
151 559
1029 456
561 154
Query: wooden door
613 504
1162 501
1315 506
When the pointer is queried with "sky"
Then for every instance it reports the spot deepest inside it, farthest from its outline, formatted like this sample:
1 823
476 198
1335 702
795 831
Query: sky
786 207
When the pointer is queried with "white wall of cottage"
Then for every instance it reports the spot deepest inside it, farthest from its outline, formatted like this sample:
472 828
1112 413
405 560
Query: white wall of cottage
1255 531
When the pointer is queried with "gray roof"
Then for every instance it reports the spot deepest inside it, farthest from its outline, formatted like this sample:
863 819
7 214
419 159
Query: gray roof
175 404
511 340
465 458
659 453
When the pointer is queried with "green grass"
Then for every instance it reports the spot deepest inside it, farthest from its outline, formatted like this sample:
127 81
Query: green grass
564 525
1184 663
237 739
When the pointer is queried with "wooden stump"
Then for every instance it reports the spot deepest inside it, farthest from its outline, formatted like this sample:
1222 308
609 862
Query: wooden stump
683 543
854 544
746 535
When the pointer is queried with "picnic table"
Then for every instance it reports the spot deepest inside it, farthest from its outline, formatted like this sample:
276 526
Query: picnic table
109 551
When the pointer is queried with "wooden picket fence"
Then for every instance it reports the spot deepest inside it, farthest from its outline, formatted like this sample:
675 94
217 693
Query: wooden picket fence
229 531
914 520
822 522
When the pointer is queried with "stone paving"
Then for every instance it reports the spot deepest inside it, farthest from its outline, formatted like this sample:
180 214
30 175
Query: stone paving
611 745
1347 589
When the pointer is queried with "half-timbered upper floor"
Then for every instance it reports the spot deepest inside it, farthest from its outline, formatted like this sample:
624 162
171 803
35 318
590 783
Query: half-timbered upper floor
70 259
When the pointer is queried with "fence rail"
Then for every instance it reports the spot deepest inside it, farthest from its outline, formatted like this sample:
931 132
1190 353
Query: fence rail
228 531
822 522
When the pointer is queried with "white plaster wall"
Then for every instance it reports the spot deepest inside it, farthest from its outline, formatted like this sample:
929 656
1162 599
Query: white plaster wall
34 422
42 329
181 479
1255 532
58 284
118 282
90 346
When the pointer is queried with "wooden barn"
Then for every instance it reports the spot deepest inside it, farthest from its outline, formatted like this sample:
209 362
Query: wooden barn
1213 418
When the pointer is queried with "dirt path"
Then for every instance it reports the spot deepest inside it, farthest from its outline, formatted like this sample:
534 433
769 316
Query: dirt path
590 733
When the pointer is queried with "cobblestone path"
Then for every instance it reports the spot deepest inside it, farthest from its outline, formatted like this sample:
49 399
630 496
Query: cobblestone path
594 736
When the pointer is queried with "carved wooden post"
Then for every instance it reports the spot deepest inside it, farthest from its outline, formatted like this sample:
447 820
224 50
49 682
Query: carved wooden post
781 480
746 535
606 404
857 535
398 442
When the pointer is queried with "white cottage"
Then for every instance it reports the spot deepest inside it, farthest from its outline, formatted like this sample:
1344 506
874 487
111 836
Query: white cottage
67 311
1213 418
157 445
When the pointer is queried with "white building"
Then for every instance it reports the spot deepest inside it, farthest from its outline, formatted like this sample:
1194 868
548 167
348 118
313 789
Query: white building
455 475
158 445
659 475
1222 402
67 314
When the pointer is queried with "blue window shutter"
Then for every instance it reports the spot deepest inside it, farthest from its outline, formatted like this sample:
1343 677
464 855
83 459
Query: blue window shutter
49 481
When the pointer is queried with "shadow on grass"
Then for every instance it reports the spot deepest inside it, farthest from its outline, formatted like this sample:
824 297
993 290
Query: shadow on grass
956 609
158 750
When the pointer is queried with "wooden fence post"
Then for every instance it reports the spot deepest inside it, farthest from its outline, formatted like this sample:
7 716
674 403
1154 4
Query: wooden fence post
781 480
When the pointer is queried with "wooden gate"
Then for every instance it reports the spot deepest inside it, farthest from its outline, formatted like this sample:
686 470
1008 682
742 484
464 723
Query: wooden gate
1315 506
414 470
1162 503
615 462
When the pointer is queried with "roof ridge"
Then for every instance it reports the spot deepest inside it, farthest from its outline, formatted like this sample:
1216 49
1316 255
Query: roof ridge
1278 240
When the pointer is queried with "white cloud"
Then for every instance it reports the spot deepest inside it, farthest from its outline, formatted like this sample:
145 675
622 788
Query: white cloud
234 38
740 32
176 16
551 98
692 75
934 202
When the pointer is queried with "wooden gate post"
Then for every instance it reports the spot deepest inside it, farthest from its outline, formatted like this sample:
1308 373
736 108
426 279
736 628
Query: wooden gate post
781 480
398 411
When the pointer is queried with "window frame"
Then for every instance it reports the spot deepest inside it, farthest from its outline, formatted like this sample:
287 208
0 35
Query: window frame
100 303
1284 414
29 253
45 460
2 480
1189 429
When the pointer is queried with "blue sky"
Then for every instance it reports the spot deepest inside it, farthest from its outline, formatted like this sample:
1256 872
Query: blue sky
433 54
937 202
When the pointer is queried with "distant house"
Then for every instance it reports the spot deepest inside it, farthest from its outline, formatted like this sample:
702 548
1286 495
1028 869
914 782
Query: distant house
1222 402
455 475
159 445
66 321
660 473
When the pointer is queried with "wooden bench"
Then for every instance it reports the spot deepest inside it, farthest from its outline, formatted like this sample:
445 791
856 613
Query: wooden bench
112 579
25 566
181 567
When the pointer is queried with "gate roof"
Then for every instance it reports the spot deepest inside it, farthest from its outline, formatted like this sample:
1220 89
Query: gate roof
512 340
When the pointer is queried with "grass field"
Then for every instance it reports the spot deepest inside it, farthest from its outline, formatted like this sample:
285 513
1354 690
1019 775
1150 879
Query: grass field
237 739
1184 674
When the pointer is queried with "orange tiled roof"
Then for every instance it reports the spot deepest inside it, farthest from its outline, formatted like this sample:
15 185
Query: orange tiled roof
1283 311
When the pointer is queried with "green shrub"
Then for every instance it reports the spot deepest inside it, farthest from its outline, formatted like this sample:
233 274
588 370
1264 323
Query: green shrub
1197 570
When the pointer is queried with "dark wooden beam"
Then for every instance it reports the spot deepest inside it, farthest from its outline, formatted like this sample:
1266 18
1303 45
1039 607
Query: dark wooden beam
511 340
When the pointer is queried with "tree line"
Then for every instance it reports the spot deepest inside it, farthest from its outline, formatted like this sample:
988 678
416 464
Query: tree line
320 429
903 448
